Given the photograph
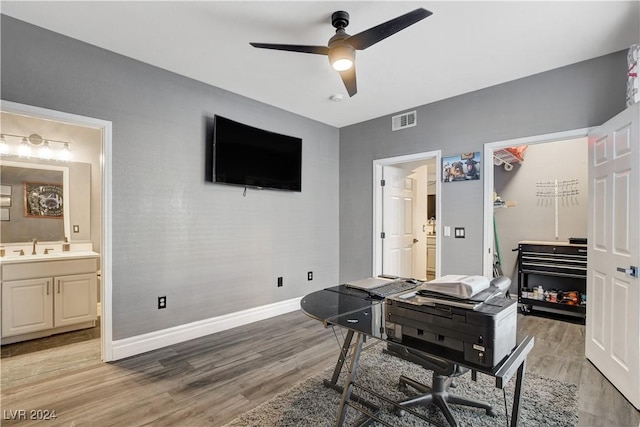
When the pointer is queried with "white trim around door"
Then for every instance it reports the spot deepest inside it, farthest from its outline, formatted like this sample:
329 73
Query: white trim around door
104 126
489 148
377 201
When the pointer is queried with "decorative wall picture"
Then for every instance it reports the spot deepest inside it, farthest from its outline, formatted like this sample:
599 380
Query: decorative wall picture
463 167
5 201
5 190
4 214
43 200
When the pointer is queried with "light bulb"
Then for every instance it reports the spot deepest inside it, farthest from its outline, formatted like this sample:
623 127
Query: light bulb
24 150
342 64
4 147
45 151
65 153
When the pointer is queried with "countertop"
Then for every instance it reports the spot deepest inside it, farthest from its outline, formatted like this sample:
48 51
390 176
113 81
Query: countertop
54 256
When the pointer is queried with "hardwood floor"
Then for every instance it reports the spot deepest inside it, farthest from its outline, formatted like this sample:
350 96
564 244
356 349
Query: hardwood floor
35 360
211 380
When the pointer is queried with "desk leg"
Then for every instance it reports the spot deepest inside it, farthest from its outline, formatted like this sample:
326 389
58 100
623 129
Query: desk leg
515 410
348 388
343 356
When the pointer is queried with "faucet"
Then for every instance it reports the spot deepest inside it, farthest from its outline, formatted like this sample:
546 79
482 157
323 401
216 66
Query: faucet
33 251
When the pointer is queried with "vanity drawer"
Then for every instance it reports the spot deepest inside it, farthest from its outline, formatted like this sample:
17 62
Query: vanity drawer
31 270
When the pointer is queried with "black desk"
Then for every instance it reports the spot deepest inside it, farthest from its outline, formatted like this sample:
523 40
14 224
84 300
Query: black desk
362 316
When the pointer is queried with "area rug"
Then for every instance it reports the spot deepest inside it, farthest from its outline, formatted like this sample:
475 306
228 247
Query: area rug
544 401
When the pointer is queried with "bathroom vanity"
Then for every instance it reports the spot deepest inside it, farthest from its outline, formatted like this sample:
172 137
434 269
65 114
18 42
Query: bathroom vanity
47 294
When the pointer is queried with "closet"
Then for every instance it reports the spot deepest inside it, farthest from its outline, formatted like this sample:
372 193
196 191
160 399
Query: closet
540 224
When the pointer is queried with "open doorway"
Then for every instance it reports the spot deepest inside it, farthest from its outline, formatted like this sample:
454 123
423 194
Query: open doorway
90 147
535 195
406 211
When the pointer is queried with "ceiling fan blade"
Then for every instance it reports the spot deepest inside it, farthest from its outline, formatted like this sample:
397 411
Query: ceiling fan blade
319 50
349 80
380 32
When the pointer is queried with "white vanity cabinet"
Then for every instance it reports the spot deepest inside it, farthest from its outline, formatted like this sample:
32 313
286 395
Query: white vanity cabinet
43 298
75 299
27 306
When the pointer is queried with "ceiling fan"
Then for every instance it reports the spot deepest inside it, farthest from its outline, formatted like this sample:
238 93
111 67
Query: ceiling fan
342 47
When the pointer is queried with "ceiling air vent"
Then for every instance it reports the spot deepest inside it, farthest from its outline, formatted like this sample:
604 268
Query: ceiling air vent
402 121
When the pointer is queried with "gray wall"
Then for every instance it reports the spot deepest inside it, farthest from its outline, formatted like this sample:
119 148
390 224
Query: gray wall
533 216
573 97
210 250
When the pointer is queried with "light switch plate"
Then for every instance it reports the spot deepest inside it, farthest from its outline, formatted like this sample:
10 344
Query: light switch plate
447 231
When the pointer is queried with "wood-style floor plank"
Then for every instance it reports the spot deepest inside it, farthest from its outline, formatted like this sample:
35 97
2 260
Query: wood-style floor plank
211 380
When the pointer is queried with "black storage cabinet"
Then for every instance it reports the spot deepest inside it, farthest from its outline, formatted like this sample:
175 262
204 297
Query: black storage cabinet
554 266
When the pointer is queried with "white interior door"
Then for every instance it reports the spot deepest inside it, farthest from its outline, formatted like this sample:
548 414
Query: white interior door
397 222
613 297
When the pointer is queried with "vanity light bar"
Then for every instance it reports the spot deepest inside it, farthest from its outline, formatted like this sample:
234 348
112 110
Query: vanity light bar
46 148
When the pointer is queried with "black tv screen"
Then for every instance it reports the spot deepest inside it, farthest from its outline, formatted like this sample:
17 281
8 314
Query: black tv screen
251 157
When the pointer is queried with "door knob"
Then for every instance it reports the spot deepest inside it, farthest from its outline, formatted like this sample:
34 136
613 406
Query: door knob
415 240
631 271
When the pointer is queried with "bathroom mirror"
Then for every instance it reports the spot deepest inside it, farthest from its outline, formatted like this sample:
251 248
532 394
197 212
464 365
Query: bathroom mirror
41 200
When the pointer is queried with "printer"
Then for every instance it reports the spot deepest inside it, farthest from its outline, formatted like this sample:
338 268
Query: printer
473 333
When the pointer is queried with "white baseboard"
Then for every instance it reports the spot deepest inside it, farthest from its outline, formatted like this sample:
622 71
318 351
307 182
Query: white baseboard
132 346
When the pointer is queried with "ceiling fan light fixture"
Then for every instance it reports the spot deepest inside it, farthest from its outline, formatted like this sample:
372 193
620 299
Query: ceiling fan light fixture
342 57
341 49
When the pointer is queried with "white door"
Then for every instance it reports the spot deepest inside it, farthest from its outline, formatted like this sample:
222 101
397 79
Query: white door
398 197
613 297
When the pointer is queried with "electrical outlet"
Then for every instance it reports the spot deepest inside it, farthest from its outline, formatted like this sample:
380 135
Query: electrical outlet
279 281
162 302
310 275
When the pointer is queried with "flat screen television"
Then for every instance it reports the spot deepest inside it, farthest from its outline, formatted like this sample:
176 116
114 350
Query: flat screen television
251 157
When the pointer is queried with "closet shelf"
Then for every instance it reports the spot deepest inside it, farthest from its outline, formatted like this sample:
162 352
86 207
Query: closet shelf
508 156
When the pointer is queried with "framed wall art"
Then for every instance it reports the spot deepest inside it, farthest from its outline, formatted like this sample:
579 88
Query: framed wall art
43 200
462 167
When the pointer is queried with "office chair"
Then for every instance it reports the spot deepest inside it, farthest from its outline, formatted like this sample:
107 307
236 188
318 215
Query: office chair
444 372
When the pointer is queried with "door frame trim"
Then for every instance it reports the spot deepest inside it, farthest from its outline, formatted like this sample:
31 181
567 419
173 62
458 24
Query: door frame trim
377 201
106 319
489 148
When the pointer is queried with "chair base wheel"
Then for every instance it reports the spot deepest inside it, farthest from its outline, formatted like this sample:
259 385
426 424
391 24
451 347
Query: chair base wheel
492 413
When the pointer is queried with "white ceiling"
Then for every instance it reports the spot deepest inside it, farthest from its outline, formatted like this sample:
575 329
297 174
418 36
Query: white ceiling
462 47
